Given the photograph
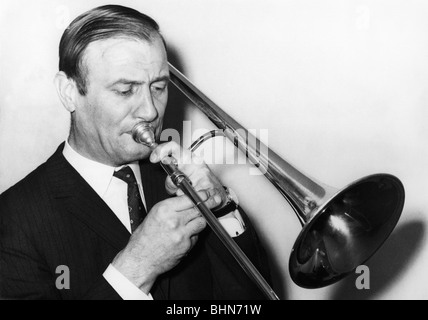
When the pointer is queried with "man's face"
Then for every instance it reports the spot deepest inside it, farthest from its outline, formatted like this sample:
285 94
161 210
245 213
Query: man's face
126 83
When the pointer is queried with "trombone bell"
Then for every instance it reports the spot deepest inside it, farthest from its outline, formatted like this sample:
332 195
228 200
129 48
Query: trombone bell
346 231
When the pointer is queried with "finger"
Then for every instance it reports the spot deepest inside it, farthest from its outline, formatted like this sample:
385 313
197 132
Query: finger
183 202
196 226
188 215
193 240
203 179
172 149
170 187
214 198
211 198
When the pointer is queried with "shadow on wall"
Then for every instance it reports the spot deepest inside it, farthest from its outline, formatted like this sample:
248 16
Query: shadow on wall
396 255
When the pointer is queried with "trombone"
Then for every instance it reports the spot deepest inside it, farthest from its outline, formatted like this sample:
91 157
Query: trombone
341 228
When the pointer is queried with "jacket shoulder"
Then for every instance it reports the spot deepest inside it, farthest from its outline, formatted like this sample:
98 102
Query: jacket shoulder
22 196
27 186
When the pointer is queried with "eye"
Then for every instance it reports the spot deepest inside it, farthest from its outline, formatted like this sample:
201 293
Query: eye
125 91
158 88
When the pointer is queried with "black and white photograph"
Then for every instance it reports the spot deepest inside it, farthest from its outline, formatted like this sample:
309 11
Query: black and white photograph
213 150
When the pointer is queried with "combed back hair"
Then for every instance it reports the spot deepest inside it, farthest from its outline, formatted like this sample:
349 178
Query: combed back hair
110 21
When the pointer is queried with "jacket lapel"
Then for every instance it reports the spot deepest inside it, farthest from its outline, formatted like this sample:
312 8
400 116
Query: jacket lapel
75 195
153 178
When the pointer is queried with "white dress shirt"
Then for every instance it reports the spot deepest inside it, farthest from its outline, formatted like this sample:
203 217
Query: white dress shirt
114 193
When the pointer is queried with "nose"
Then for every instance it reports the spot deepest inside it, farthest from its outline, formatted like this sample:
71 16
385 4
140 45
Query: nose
146 109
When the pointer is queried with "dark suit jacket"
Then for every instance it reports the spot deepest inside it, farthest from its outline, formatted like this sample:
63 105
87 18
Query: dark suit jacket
53 218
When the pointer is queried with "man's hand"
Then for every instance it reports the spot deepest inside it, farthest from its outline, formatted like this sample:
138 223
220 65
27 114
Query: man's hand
193 167
171 228
163 239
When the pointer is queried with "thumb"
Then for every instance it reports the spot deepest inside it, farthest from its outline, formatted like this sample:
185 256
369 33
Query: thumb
167 149
171 188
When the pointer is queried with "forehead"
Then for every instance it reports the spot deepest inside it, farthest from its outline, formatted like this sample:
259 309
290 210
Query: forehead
125 58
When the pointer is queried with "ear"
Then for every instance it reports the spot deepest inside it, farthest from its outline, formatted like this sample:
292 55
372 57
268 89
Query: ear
67 91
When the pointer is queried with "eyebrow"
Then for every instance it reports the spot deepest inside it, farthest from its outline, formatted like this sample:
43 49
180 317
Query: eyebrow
133 82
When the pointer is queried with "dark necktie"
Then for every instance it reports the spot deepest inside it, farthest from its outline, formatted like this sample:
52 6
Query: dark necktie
137 211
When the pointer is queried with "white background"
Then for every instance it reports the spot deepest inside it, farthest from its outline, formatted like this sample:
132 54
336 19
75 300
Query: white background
340 85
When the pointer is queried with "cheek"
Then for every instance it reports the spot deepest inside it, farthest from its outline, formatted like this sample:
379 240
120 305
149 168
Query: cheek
110 115
161 107
161 102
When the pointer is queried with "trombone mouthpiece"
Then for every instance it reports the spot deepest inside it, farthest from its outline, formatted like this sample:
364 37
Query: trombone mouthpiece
143 133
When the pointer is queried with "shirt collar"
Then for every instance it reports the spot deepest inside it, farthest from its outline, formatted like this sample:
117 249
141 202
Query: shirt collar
97 175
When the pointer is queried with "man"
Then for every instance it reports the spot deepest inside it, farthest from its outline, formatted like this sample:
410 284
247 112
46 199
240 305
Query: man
100 206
